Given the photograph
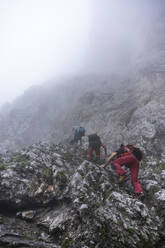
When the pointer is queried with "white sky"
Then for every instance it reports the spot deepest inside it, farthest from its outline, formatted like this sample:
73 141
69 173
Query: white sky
41 39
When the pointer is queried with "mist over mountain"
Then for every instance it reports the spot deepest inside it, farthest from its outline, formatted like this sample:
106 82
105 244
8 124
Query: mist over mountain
74 38
120 109
118 92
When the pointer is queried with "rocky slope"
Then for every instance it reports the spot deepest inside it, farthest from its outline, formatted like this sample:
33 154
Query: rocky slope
50 196
121 109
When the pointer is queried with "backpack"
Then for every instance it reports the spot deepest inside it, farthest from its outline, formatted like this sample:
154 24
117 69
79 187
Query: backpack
81 130
94 140
131 149
136 152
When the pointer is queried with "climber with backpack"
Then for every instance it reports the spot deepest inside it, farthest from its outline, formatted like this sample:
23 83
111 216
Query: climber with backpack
79 132
94 146
129 156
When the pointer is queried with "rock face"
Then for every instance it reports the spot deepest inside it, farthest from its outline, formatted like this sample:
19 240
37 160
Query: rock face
51 196
121 109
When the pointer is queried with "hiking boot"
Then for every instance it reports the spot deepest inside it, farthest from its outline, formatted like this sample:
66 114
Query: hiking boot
121 179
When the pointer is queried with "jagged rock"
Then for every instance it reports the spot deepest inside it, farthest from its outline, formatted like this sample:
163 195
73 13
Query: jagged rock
27 215
78 204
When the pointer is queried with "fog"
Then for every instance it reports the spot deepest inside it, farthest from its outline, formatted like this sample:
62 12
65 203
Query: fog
43 39
122 32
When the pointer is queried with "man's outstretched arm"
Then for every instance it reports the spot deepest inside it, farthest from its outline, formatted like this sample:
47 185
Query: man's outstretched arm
109 159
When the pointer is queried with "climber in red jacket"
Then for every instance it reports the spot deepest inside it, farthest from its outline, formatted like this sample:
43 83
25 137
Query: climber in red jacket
130 156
